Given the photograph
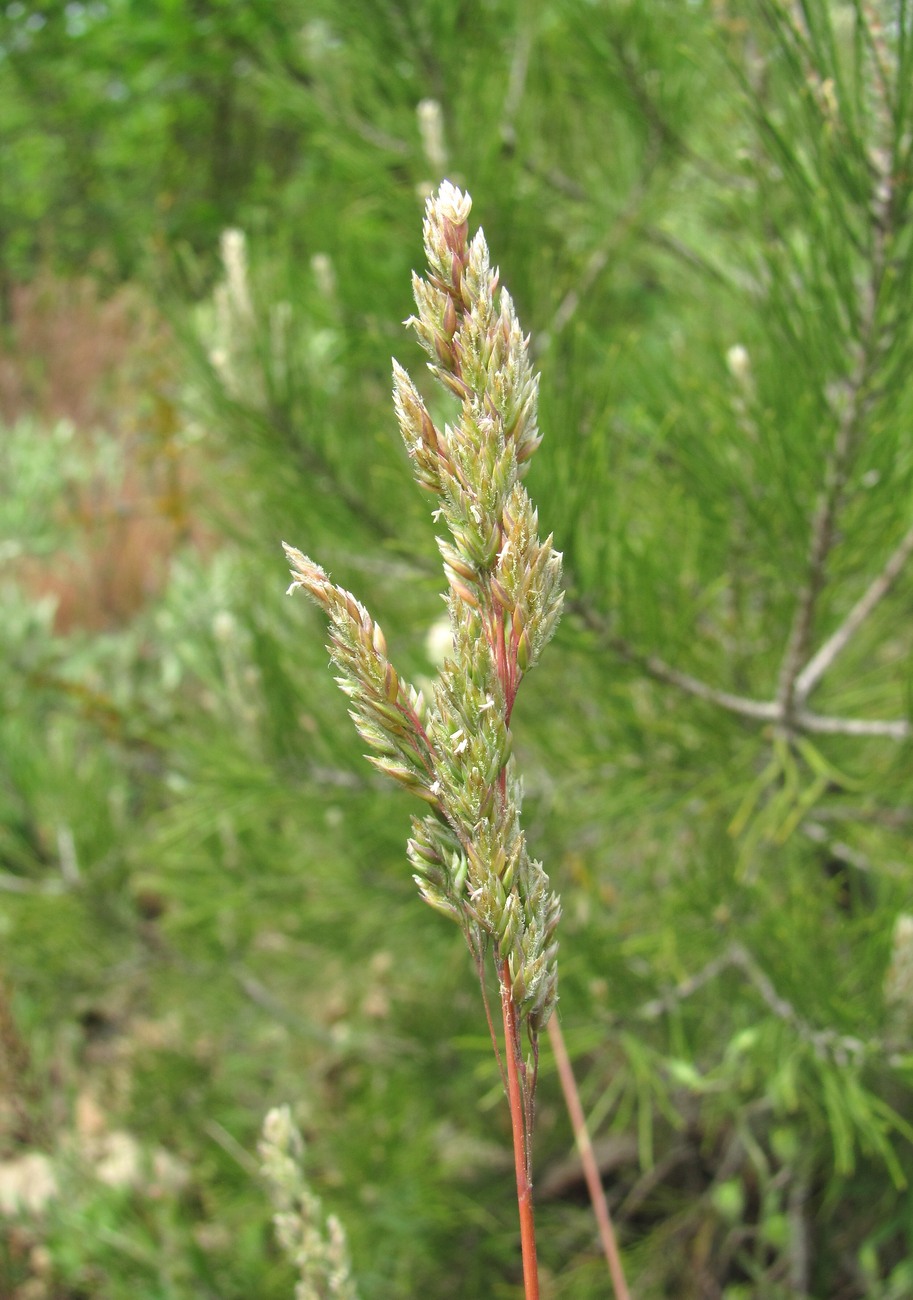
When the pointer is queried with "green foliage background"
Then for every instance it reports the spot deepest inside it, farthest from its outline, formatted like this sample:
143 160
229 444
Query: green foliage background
205 907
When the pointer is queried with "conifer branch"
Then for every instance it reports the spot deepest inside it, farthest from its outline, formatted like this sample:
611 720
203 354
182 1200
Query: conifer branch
850 399
821 542
824 1042
891 729
742 705
820 662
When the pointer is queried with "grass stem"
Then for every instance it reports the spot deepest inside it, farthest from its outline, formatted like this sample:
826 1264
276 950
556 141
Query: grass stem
588 1160
521 1138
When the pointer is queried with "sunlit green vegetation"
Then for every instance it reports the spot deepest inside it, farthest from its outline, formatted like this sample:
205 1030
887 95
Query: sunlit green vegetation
703 212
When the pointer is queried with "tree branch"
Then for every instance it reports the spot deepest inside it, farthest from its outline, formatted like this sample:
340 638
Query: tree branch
818 665
822 540
766 711
824 1042
896 728
743 705
763 710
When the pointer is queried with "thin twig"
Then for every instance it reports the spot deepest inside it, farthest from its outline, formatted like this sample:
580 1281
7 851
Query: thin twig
818 665
766 711
653 1009
690 257
897 819
260 995
763 710
824 1042
895 728
884 61
556 180
19 885
588 1160
69 860
232 1147
837 849
856 399
743 705
611 1154
516 84
822 540
597 261
654 1176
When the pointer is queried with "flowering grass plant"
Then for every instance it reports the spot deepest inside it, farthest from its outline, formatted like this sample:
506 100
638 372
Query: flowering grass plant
468 852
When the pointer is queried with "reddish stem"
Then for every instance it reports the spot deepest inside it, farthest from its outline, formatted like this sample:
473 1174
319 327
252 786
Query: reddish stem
520 1136
517 1091
588 1160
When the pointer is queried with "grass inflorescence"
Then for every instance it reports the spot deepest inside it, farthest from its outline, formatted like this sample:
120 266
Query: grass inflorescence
468 852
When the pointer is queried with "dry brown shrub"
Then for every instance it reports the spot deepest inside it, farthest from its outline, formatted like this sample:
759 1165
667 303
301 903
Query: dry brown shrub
107 364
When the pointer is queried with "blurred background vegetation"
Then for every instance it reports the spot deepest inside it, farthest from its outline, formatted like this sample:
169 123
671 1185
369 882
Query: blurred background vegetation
703 212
